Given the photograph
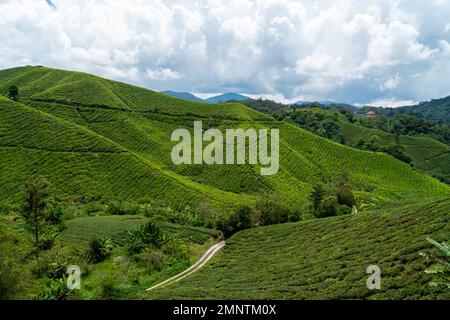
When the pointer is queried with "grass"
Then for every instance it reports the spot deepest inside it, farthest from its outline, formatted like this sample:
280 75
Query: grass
79 231
325 259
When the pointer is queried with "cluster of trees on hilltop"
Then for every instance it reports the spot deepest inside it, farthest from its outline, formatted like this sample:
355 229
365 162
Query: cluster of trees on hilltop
321 123
406 124
403 121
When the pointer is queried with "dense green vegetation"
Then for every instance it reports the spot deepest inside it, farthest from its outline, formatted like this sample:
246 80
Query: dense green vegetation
422 152
435 110
103 246
112 140
117 206
326 258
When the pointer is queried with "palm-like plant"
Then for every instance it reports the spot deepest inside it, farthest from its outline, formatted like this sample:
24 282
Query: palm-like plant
441 268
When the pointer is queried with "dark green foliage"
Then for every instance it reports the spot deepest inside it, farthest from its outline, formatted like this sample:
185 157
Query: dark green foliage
99 249
264 105
342 209
440 260
344 193
34 208
326 258
317 121
55 290
8 281
54 215
316 196
13 92
346 197
48 240
242 218
146 235
270 210
397 152
328 207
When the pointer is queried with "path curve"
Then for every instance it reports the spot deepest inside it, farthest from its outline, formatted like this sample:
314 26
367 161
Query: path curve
196 266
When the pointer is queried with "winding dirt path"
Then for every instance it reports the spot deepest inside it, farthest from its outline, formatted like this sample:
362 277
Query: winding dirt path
196 266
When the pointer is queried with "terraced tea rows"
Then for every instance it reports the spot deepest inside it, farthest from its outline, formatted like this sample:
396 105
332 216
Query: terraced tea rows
79 231
325 258
90 136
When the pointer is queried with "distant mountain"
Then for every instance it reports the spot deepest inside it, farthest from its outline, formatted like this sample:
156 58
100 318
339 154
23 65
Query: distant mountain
227 97
326 105
183 95
436 110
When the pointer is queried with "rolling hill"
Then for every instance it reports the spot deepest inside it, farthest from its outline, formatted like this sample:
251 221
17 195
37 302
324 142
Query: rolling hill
227 97
428 155
325 259
183 95
92 136
436 110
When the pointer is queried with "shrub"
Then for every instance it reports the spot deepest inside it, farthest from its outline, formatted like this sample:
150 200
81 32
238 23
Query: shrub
55 216
316 196
48 240
99 249
57 269
5 208
145 235
92 208
440 269
8 281
110 291
270 211
56 290
185 216
151 259
343 210
346 197
328 208
397 151
242 218
176 248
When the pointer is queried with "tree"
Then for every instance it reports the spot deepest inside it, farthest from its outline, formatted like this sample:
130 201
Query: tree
316 197
270 210
34 208
242 219
13 92
344 192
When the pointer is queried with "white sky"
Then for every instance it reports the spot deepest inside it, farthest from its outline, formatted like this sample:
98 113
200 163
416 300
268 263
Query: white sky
362 51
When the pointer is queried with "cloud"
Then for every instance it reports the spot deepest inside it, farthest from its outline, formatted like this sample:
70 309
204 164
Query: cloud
391 83
353 51
392 103
163 74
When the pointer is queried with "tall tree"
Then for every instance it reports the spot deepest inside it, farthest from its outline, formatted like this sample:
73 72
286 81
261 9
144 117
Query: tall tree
34 208
13 92
316 197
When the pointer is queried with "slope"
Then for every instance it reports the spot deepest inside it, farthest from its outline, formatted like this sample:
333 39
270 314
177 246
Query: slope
325 259
138 123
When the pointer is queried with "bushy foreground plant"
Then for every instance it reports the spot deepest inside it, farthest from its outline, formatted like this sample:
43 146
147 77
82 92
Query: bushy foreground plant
99 249
146 235
440 269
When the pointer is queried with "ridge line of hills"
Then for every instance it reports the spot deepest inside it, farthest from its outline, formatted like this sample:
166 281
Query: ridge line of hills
305 158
